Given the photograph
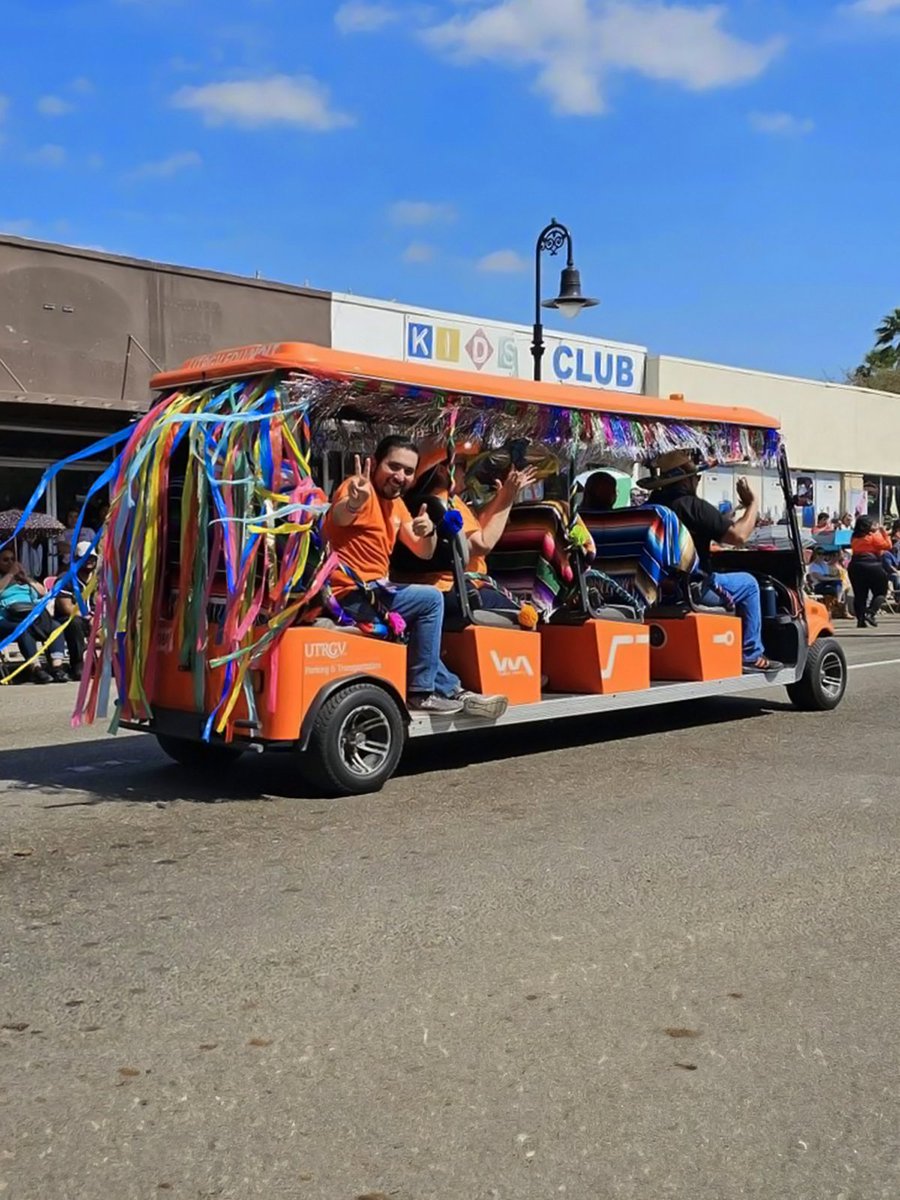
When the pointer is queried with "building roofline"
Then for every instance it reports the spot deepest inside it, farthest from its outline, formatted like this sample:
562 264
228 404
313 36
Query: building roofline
757 373
148 264
572 335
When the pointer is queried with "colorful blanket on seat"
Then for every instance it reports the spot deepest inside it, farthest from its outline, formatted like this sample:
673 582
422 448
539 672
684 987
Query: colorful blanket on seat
639 548
532 560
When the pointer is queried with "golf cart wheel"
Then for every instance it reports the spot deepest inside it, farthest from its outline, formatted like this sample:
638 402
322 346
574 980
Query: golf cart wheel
822 685
198 756
356 741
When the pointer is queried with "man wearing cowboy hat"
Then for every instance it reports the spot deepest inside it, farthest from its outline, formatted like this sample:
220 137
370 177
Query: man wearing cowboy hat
673 483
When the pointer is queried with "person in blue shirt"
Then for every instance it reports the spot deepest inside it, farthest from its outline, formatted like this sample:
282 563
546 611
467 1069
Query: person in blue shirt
18 595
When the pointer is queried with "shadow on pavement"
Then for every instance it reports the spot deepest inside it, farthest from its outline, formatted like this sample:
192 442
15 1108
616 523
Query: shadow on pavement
135 771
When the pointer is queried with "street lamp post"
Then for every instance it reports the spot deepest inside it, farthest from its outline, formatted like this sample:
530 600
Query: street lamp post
570 301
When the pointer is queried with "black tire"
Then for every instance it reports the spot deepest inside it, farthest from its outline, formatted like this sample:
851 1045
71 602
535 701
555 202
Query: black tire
356 742
198 756
822 685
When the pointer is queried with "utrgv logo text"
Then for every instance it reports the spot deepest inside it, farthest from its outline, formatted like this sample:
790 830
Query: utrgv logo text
326 649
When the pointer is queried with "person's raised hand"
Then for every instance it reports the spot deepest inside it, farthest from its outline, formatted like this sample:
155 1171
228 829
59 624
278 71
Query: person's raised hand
518 481
422 525
359 485
745 492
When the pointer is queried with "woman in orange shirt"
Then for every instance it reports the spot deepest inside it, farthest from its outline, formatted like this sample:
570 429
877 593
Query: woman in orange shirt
482 532
867 570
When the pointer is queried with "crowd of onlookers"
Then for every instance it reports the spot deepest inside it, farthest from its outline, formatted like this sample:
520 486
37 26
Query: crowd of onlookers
61 628
858 576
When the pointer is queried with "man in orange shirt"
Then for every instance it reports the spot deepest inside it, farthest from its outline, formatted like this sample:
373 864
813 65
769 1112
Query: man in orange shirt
366 519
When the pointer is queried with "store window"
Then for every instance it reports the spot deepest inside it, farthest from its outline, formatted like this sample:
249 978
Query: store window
17 483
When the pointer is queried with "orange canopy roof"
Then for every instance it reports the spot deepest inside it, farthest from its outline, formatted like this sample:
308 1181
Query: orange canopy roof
347 365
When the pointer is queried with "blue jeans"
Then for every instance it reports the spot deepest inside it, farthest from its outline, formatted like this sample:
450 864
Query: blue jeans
745 591
422 608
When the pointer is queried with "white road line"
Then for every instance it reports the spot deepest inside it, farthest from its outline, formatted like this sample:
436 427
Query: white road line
884 662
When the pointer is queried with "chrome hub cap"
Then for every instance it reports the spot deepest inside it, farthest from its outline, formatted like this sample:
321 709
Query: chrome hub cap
364 740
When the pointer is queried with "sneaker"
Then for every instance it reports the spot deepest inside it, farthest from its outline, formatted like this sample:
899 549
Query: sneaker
59 674
75 674
39 675
430 703
489 707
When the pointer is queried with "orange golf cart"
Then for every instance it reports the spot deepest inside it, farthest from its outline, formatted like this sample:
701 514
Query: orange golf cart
333 695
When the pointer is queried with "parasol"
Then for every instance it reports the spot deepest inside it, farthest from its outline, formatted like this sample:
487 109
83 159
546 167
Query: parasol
37 522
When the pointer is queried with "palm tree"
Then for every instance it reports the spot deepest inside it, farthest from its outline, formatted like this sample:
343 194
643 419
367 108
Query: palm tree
887 340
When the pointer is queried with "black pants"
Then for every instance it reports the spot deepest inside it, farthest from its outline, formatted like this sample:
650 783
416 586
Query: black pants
75 634
868 578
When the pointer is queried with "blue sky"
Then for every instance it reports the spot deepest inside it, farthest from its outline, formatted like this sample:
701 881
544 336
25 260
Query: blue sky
729 171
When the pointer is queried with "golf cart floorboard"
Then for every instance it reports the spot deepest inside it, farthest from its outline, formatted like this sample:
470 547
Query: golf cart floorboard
556 705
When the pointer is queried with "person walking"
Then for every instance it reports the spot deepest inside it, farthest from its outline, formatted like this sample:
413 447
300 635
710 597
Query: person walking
867 570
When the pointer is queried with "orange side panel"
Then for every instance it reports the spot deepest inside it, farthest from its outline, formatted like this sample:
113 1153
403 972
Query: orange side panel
818 621
496 661
596 658
695 648
286 682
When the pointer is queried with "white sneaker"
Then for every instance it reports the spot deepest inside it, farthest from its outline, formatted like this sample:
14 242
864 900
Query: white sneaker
489 707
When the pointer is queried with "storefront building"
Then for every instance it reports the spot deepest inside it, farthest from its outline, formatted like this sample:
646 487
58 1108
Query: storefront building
81 333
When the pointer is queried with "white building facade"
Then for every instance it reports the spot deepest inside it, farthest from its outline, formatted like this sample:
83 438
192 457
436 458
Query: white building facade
843 442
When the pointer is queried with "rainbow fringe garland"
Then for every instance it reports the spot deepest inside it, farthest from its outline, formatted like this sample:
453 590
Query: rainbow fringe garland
586 436
224 475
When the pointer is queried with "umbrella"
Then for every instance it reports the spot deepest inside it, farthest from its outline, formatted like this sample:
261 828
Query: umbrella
37 522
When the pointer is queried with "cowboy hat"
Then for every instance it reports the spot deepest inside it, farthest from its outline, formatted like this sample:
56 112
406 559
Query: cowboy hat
671 467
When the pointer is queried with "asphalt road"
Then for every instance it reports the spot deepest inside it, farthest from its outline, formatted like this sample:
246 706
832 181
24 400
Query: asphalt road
638 957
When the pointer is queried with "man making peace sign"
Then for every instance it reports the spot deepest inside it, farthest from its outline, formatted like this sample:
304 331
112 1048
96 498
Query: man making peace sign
366 518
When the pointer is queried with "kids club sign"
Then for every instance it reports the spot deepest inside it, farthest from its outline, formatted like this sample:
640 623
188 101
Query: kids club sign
499 350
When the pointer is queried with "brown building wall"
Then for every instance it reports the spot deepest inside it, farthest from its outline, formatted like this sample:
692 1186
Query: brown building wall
66 315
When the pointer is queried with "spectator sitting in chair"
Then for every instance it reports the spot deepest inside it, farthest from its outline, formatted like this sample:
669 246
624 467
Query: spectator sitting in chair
674 482
19 594
78 628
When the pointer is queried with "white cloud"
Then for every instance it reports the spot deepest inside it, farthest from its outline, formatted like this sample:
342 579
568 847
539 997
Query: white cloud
502 262
47 156
357 16
251 103
165 168
18 228
574 45
82 85
53 106
873 8
421 212
782 123
418 252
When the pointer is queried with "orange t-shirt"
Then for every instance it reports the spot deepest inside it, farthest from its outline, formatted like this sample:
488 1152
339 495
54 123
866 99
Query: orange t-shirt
367 543
872 543
477 565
